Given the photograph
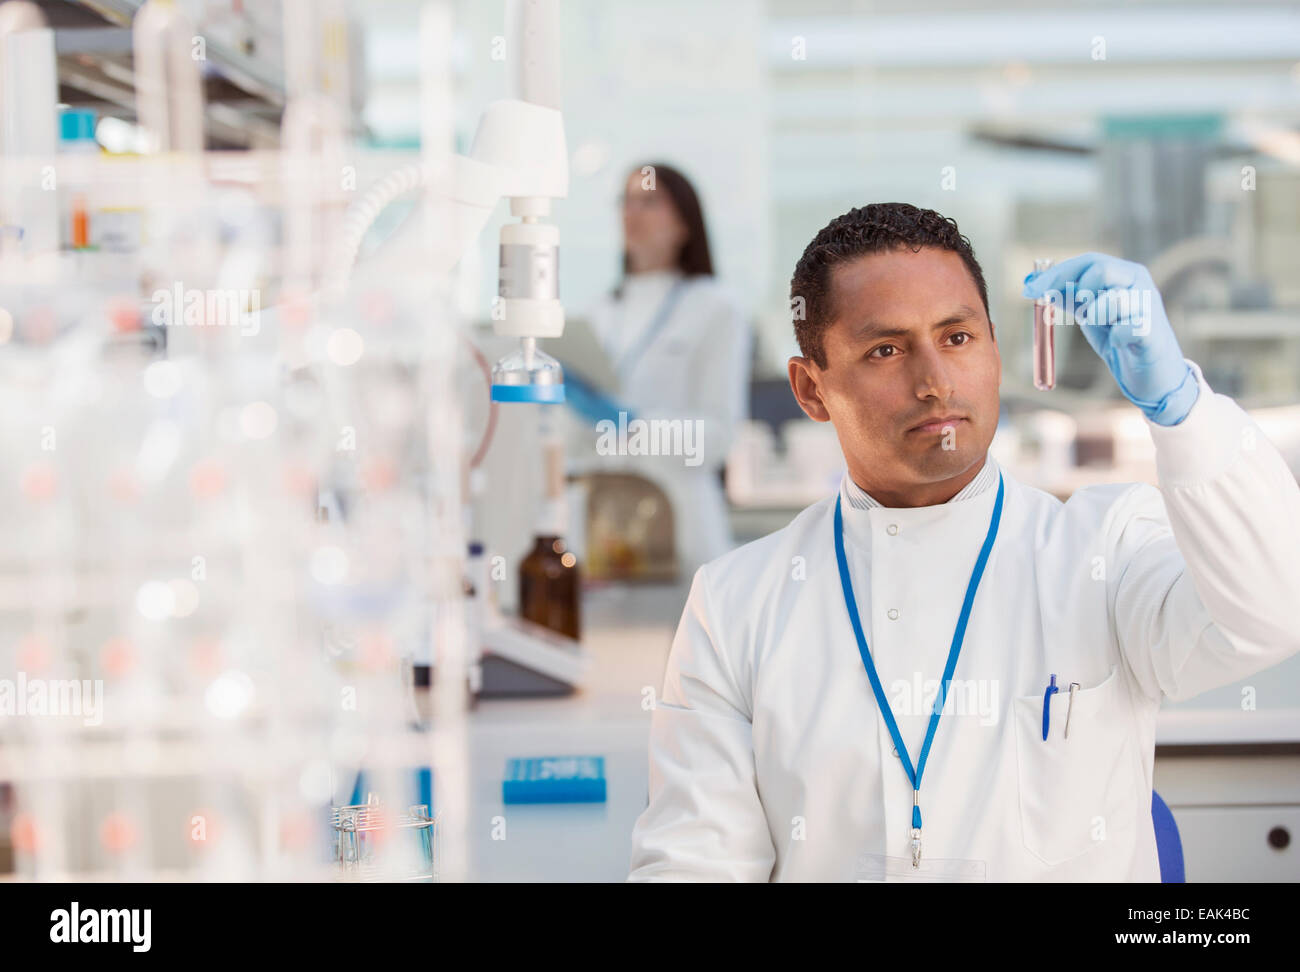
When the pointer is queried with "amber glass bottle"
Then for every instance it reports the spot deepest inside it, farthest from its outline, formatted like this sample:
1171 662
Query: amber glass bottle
549 592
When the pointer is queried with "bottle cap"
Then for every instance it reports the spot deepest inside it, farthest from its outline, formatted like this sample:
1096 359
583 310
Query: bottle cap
77 125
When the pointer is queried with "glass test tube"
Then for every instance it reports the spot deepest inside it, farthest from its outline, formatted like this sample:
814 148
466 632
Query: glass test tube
1044 338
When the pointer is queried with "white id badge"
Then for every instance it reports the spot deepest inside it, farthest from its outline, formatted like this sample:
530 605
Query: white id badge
879 867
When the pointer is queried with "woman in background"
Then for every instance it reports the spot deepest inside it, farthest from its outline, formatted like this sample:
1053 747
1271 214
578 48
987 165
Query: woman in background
680 345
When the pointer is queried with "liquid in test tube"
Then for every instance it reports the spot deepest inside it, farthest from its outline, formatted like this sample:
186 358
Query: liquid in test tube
1044 337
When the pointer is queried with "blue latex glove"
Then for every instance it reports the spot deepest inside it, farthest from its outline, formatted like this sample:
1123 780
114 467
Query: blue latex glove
1123 318
589 403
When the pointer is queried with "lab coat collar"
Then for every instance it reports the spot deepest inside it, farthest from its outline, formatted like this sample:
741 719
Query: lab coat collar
651 279
969 513
986 478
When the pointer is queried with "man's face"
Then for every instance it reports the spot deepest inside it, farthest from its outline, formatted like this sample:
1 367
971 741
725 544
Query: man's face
909 344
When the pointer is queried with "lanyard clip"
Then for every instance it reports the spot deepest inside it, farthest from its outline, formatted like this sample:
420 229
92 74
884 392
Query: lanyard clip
916 847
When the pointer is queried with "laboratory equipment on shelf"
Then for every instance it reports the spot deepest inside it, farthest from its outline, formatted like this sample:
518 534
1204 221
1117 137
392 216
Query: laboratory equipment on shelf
234 532
518 153
630 529
529 306
528 375
1044 337
549 576
76 137
538 652
525 659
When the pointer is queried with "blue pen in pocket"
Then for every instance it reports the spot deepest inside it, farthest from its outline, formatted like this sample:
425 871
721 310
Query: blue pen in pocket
1047 705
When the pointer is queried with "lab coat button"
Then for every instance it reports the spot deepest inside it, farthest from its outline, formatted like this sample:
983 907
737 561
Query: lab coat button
892 529
893 614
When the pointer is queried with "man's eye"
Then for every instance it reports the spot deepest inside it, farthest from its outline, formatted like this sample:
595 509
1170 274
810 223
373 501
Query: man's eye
884 347
961 334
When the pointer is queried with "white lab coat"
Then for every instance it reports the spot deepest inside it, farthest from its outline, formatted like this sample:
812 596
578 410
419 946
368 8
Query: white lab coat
695 368
769 759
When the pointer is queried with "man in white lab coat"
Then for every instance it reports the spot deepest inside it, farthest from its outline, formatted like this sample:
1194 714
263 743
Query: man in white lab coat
936 598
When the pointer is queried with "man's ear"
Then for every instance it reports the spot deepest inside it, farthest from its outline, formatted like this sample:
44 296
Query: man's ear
997 351
805 383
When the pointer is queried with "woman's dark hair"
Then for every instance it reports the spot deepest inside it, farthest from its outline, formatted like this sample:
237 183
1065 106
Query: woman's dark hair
694 259
867 229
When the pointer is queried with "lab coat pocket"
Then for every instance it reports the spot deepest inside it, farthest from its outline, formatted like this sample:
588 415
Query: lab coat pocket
1076 791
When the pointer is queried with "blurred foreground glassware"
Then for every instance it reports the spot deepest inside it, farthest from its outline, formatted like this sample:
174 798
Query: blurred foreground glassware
373 845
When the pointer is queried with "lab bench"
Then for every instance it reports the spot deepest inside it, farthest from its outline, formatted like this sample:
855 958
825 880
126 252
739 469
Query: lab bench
627 630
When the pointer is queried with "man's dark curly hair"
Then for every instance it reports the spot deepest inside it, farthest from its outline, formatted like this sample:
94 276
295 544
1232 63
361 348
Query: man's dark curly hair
867 229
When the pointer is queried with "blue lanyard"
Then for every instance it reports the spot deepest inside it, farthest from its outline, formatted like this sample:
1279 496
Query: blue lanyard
914 775
657 324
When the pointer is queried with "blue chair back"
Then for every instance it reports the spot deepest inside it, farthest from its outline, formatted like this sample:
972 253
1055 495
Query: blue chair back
1169 846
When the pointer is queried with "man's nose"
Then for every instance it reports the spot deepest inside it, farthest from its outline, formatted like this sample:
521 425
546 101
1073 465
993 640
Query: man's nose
932 375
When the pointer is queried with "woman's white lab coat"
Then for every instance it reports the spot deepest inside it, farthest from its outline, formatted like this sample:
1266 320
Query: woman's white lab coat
769 758
694 368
